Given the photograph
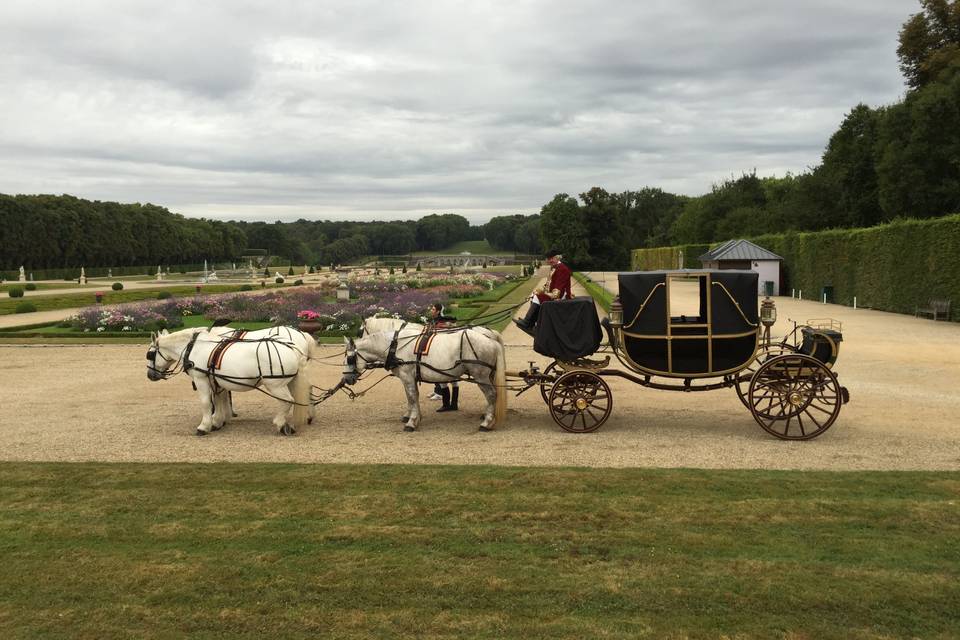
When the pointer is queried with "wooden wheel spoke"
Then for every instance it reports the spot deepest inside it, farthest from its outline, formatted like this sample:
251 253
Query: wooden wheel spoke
803 432
812 418
821 409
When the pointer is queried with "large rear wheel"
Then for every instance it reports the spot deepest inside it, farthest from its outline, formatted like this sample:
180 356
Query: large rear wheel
580 401
795 397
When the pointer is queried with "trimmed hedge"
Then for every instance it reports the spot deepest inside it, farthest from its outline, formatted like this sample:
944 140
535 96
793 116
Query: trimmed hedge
893 267
662 258
72 273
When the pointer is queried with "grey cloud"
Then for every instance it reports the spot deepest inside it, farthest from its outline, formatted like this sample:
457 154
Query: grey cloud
397 110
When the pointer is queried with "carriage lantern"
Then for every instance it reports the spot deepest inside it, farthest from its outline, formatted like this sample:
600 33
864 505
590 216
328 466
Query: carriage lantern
616 313
768 316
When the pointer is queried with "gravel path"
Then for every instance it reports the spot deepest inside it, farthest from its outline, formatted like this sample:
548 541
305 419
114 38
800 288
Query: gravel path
82 403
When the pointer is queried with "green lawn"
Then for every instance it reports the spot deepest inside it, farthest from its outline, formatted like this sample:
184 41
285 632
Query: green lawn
476 247
603 297
6 286
337 551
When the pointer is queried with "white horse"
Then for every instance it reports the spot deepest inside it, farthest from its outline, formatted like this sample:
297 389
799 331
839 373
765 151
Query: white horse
271 360
452 354
374 324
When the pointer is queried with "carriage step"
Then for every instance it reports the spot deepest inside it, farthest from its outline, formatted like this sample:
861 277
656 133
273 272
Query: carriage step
583 363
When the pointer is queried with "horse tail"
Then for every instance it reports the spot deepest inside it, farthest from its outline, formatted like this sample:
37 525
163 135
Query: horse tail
500 384
300 389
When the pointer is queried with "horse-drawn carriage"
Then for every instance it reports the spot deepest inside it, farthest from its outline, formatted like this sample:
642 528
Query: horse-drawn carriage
789 387
717 338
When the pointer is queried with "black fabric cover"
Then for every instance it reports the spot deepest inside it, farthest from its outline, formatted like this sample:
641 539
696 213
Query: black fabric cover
634 289
568 329
742 285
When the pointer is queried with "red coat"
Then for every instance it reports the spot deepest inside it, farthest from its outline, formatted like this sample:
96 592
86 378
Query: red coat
559 281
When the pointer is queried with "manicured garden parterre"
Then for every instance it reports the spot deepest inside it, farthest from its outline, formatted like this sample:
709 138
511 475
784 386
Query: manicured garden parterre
406 296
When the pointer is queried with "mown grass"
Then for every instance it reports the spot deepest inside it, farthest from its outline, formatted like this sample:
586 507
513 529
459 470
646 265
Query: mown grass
603 297
40 286
476 247
158 551
509 295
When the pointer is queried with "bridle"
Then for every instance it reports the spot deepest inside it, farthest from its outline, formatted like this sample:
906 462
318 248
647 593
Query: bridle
182 362
168 371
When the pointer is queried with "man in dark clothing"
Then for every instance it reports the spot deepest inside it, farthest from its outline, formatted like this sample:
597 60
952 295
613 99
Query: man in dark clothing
557 289
449 393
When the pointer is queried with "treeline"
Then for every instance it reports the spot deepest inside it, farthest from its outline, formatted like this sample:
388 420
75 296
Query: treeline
44 232
882 164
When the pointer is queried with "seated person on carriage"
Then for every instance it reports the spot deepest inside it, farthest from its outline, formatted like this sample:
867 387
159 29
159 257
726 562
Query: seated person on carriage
450 397
558 289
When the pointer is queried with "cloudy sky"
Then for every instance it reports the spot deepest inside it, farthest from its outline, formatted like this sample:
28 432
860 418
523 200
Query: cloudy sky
382 110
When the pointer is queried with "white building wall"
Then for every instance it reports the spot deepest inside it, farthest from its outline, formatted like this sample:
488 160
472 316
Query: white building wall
768 270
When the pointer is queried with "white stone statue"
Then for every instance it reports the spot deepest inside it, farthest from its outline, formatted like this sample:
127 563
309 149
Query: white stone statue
23 275
83 276
159 273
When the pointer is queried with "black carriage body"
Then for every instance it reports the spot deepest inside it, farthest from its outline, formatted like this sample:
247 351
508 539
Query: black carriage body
721 339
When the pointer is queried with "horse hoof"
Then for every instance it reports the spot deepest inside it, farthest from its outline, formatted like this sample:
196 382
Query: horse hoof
201 432
235 414
309 420
485 429
287 430
408 429
405 419
216 428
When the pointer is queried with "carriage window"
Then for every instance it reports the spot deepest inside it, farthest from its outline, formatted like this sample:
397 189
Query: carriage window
685 299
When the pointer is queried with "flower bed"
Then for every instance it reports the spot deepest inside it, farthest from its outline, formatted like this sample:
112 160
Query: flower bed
407 298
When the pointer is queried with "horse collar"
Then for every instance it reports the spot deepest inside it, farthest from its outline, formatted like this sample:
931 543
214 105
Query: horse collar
392 362
187 363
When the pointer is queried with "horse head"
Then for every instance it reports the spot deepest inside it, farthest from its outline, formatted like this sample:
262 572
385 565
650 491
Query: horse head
158 363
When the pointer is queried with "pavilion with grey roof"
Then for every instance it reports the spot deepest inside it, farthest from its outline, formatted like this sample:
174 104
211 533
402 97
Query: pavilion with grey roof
743 254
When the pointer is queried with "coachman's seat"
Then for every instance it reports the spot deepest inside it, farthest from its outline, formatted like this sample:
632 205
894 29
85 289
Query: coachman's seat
567 329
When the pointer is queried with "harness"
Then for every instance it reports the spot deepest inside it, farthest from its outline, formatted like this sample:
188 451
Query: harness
215 360
392 361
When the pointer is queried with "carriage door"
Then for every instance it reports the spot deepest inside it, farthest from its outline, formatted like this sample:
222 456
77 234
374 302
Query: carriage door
688 328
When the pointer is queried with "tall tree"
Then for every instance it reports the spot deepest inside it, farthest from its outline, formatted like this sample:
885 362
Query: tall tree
603 217
562 227
930 42
850 162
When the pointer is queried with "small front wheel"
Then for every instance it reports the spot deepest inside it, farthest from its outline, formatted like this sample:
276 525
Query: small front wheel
580 401
546 384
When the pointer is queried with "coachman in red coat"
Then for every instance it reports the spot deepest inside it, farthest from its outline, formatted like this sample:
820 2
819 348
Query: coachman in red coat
557 289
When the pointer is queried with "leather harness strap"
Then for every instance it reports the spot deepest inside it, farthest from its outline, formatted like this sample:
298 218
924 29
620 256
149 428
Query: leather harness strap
215 361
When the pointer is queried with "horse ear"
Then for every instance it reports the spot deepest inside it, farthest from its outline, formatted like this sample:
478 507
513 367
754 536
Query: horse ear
346 340
163 332
153 336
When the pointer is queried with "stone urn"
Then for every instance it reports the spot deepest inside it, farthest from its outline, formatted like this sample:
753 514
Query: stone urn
309 326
